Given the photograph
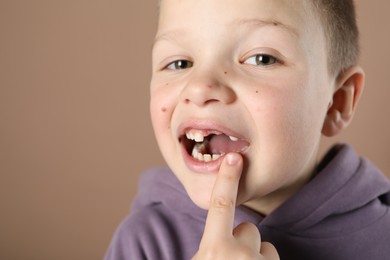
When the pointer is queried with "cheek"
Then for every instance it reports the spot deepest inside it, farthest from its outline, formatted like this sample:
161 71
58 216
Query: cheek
162 105
280 120
272 109
160 113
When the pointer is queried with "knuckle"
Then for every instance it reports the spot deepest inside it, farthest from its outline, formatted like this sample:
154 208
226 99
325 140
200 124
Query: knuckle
229 176
222 202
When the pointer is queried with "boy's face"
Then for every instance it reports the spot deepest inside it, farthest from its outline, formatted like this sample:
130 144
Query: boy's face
254 70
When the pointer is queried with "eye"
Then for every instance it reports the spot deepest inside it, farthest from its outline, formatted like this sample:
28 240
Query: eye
261 60
179 65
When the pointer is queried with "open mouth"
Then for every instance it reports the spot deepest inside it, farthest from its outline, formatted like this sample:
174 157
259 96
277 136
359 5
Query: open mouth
210 145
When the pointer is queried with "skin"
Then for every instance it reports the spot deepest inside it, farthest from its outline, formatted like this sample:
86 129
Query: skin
281 107
219 241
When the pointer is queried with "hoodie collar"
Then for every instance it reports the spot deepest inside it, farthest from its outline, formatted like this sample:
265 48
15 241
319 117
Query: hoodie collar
345 182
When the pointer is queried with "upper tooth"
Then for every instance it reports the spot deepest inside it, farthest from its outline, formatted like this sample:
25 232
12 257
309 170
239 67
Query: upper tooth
233 138
198 137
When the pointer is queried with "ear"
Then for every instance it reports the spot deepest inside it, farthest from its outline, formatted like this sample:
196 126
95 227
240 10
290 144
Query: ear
349 87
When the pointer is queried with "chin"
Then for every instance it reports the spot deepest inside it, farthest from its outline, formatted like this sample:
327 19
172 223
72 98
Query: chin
200 202
200 196
198 186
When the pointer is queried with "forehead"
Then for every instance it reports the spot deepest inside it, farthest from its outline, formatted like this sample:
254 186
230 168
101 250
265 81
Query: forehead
293 15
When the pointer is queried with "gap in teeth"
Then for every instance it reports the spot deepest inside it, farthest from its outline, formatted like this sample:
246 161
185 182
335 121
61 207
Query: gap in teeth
199 151
198 154
199 136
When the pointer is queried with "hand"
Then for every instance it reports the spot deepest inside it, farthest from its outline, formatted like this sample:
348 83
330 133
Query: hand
219 240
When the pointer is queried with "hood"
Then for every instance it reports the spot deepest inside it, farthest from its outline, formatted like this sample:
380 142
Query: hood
345 188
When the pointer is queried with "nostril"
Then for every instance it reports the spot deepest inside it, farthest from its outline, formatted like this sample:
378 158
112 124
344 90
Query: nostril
203 93
211 100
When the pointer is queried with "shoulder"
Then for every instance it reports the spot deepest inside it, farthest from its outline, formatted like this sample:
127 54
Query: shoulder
157 185
155 232
163 223
141 235
342 213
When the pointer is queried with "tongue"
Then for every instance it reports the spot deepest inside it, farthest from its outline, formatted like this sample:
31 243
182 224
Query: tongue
221 144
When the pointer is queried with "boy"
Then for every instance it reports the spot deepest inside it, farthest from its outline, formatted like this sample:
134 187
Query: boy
241 93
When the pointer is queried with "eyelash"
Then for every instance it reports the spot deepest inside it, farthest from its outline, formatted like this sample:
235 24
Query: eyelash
261 60
179 65
258 60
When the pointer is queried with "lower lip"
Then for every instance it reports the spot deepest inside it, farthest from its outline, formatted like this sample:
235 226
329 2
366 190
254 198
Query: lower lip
201 167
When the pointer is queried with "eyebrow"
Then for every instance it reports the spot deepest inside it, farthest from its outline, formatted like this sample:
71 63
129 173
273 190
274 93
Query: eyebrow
171 35
261 23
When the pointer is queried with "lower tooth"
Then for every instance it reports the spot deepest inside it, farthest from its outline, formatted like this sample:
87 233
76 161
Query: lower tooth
195 153
207 157
216 156
203 157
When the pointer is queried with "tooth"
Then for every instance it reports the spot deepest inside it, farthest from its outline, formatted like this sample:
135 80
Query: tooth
200 157
207 157
198 137
195 152
216 156
200 147
190 135
243 149
234 139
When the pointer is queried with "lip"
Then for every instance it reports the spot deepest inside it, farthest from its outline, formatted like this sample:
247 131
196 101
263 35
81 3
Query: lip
208 127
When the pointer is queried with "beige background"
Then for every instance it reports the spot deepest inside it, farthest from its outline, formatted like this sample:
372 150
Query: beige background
74 122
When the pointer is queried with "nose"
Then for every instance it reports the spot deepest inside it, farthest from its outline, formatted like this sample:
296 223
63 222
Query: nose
206 88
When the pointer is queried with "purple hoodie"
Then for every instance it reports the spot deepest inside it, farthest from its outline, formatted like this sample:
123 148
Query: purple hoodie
342 213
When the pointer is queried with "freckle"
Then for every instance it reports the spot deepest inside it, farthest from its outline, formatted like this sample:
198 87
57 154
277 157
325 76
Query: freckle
186 101
225 72
164 109
257 92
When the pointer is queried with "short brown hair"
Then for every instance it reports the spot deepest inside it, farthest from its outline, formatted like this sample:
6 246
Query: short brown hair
339 20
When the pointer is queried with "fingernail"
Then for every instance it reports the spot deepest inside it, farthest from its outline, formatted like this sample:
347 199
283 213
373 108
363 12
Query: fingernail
232 159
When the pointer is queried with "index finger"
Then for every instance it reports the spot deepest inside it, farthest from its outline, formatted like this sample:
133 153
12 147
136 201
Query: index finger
220 217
